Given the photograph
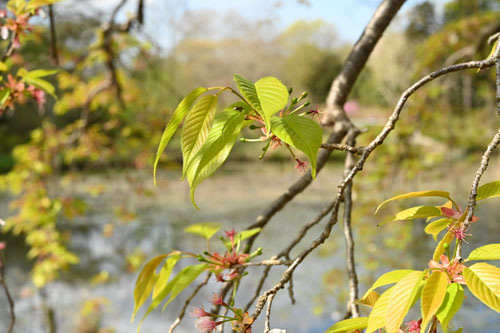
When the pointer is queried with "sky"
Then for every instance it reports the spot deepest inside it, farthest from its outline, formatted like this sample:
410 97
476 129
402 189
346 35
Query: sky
348 16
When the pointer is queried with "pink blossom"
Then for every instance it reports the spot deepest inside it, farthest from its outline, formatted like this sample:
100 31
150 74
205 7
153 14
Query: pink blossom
275 142
455 214
458 232
314 111
454 269
2 246
205 324
413 326
199 312
217 299
38 95
301 165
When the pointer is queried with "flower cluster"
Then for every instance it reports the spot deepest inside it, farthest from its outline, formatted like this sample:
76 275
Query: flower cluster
206 321
18 92
453 269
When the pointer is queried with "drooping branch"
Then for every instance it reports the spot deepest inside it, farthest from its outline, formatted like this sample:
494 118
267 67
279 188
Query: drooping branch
53 36
389 126
10 301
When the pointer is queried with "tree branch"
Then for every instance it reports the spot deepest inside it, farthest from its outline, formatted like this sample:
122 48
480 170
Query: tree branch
53 36
10 301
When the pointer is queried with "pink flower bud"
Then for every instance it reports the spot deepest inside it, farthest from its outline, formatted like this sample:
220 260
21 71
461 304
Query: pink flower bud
205 324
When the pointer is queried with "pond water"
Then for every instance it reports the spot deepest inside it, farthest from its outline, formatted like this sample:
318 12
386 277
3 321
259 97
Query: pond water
128 218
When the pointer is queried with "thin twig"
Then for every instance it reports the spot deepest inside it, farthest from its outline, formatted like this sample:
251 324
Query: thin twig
337 146
290 291
186 304
268 262
349 241
389 126
53 36
267 324
10 301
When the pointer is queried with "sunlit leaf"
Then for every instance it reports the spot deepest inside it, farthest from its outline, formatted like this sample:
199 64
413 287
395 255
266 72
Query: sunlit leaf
458 331
179 114
37 73
486 252
348 325
433 295
483 281
220 141
435 227
145 282
389 278
41 84
196 128
489 190
299 132
377 317
368 300
205 230
414 213
451 304
272 95
4 96
418 194
401 299
34 4
439 250
242 235
3 66
173 288
165 273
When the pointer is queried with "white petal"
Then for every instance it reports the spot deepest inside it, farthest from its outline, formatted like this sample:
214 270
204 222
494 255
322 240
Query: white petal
277 330
2 222
4 33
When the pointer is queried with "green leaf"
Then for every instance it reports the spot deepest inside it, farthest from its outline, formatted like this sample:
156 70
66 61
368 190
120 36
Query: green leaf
439 250
41 84
401 298
272 95
483 281
38 73
388 278
489 190
435 227
145 282
165 273
34 4
301 133
174 122
376 320
419 194
247 89
486 252
220 141
433 295
183 279
349 325
368 300
414 213
4 96
205 230
3 66
242 235
458 331
196 128
451 304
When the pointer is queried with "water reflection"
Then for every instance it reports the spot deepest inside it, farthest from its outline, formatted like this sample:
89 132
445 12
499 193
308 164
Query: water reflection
129 221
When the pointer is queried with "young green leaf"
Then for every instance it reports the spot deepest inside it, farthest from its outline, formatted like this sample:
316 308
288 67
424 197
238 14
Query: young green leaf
272 95
368 300
401 298
489 190
183 279
220 141
41 84
37 73
145 282
388 278
376 320
486 252
242 235
3 66
205 230
165 273
4 96
483 281
301 133
179 114
196 128
34 4
435 227
349 325
439 250
414 213
419 194
247 89
432 296
451 304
